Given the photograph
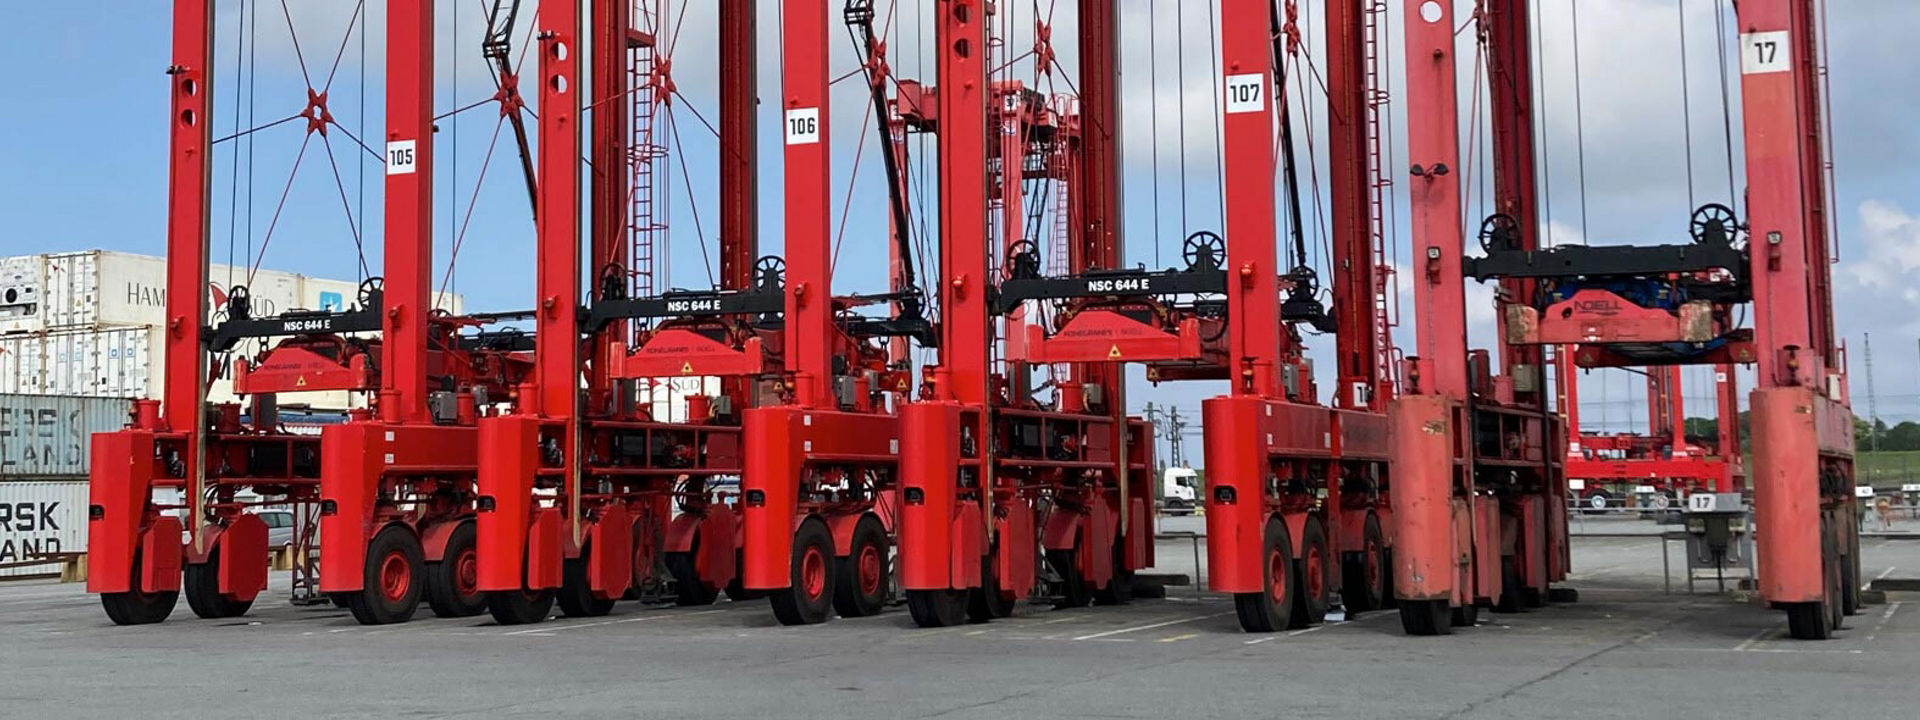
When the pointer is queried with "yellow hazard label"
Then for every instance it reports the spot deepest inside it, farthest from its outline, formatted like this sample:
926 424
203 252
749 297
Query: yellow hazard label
1113 353
686 369
300 381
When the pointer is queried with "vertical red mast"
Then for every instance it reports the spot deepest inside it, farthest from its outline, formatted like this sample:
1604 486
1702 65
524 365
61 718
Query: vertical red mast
1253 269
739 147
613 39
809 305
558 224
1433 144
190 151
408 245
1802 427
1349 164
1510 67
966 334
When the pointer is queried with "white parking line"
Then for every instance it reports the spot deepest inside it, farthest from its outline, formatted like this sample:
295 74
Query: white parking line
1885 617
550 629
1137 628
1748 644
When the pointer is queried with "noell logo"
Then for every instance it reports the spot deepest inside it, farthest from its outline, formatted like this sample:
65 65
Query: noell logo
1597 307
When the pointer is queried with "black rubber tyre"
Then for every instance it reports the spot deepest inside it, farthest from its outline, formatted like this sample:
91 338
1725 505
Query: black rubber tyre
1563 595
452 589
392 578
808 597
520 607
737 587
1072 580
1119 590
1586 503
1510 586
1312 576
1849 587
576 591
135 607
340 600
1425 617
861 585
1073 583
1836 614
1808 621
1364 574
202 585
688 588
1465 615
1273 607
937 608
989 601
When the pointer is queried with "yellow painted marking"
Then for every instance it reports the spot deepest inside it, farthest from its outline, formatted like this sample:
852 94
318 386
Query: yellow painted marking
1114 353
686 369
300 381
1178 638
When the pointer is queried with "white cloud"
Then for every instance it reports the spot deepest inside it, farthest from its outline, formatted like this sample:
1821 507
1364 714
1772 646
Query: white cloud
1891 240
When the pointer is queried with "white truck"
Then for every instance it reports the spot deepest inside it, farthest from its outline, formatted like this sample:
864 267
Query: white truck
1179 489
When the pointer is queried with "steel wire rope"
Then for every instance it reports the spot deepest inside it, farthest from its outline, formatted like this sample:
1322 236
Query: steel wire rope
1324 247
1180 75
1537 55
1726 101
233 198
324 120
1580 126
459 238
1686 101
1153 123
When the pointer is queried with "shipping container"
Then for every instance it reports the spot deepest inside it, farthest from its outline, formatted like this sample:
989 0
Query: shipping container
88 323
19 294
41 517
99 289
44 436
101 363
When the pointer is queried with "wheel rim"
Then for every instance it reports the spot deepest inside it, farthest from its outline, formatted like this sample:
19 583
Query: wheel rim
869 570
396 576
813 572
1316 572
466 572
1277 576
1597 502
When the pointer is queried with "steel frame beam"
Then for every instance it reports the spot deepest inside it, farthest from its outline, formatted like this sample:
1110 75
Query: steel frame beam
1290 480
1801 422
800 526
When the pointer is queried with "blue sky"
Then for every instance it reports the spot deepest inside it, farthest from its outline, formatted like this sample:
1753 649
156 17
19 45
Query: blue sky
82 158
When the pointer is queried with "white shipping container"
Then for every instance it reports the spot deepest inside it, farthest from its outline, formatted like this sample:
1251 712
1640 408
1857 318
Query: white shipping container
100 289
19 294
45 436
41 517
103 363
88 323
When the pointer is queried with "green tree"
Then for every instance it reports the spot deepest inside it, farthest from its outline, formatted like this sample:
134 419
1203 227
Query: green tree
1905 436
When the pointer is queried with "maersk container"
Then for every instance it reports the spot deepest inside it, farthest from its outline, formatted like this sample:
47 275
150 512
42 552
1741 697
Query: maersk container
48 436
41 518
